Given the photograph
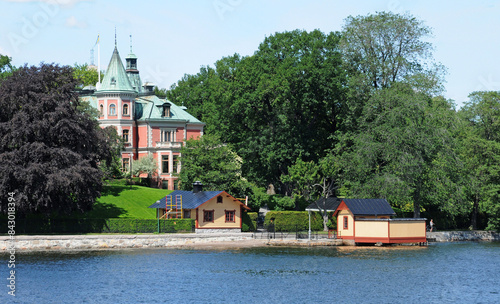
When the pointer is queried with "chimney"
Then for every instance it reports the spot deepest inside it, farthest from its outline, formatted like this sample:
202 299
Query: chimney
197 187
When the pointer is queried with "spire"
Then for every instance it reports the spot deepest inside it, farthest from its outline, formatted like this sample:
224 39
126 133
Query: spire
116 79
131 45
115 37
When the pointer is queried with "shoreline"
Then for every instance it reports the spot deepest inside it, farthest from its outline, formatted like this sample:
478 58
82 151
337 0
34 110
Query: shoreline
220 241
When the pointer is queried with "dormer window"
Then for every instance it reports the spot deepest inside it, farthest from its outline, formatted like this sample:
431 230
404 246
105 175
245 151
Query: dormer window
166 110
113 81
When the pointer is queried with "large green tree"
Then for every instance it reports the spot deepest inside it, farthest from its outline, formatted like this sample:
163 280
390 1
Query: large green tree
6 67
49 150
480 151
279 103
85 75
213 163
404 138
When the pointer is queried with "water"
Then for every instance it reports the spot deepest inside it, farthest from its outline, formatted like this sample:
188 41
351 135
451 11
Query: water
442 273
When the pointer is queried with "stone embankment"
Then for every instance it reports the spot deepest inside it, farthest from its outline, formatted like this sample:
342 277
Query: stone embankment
92 242
457 236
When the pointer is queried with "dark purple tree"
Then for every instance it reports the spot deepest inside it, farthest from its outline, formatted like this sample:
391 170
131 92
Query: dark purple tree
49 149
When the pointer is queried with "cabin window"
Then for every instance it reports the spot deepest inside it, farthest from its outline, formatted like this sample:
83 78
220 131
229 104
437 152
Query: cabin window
230 216
125 135
208 216
346 222
187 213
219 199
125 110
126 165
112 109
164 164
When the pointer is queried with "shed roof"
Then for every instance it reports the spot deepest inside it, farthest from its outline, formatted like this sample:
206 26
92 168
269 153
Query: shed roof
191 200
372 206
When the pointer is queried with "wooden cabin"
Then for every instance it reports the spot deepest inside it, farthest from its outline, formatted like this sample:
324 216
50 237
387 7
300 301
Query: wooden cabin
213 211
371 221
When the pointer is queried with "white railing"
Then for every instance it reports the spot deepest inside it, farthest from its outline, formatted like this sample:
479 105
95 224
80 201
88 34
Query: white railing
168 144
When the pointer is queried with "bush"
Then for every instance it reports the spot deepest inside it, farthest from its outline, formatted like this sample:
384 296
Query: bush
295 220
249 221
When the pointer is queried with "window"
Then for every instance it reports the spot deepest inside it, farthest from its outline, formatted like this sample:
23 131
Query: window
176 162
230 216
101 110
166 110
125 109
208 216
346 223
167 135
125 135
112 109
164 164
187 213
126 165
219 199
113 81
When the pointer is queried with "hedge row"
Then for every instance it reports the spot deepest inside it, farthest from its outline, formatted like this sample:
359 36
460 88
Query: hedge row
297 220
249 221
112 225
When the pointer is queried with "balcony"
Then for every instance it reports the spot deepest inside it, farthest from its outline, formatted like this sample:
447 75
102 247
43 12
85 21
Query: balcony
168 144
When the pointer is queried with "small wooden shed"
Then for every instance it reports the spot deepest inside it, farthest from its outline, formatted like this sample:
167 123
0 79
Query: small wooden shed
370 221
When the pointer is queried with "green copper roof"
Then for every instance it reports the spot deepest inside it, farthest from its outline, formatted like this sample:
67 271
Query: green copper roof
116 79
151 108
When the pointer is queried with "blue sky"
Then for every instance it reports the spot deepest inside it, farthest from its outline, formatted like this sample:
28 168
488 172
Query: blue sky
173 38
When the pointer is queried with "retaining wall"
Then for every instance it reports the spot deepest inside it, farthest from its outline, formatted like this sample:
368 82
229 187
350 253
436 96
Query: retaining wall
454 236
85 242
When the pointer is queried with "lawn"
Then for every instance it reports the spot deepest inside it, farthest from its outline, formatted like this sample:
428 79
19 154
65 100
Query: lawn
121 200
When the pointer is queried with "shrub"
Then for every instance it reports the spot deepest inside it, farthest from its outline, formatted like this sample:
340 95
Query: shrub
294 220
249 221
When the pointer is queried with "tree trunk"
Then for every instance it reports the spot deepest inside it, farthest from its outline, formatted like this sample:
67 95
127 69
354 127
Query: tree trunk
416 209
325 221
473 220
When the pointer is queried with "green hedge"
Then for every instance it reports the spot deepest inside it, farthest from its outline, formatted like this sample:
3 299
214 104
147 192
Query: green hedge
296 220
111 225
249 221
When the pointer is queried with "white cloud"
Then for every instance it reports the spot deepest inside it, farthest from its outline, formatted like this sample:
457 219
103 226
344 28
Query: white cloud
73 22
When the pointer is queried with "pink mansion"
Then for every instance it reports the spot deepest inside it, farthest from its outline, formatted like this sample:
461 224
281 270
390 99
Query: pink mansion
148 124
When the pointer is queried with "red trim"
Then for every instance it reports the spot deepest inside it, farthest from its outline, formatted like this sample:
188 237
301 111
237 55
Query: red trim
389 240
204 216
241 217
226 213
345 222
342 206
196 218
229 195
236 228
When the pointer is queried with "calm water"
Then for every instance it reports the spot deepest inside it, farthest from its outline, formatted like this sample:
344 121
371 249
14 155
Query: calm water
441 273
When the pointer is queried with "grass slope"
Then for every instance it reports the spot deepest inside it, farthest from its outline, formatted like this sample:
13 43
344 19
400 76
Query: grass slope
121 200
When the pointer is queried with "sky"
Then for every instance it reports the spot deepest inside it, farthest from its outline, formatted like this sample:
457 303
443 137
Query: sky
173 38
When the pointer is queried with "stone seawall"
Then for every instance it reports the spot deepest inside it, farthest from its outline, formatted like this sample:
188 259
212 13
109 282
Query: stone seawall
456 236
91 242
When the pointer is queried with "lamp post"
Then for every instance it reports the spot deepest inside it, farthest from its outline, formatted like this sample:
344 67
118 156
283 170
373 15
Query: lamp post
158 215
309 212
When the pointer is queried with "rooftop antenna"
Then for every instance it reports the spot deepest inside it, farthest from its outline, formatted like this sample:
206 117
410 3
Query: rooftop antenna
130 44
115 36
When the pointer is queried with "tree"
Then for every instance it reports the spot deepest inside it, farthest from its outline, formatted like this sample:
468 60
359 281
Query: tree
6 67
403 137
147 165
49 151
85 75
213 163
480 151
279 103
314 181
385 47
113 168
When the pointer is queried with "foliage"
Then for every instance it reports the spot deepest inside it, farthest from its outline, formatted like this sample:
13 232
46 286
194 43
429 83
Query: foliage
160 93
146 164
6 68
385 47
249 221
49 151
480 152
214 163
113 168
294 220
404 136
85 75
279 103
